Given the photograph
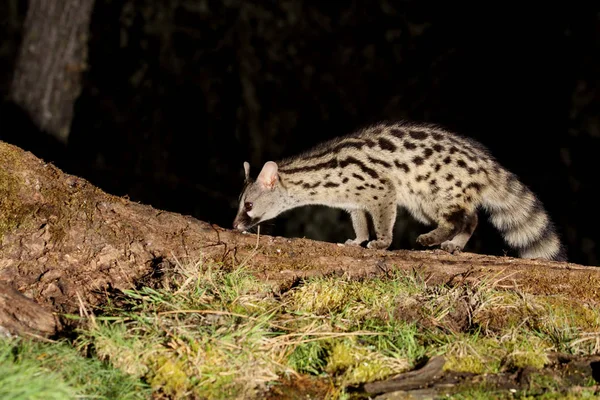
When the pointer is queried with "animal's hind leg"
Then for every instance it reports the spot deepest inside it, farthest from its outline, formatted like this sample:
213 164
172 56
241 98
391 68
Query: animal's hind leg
460 240
449 223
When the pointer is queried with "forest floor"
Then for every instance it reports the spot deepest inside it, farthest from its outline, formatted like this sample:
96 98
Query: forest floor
216 332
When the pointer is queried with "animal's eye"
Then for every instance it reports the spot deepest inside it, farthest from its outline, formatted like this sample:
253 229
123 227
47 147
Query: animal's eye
248 206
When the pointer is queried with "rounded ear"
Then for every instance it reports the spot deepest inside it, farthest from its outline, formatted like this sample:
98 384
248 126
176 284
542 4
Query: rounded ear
268 176
247 171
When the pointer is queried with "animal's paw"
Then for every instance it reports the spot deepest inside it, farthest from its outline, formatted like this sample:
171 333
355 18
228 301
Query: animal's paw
355 242
379 244
426 240
451 247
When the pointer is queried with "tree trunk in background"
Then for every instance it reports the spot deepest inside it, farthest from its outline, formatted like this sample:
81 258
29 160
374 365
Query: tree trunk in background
47 78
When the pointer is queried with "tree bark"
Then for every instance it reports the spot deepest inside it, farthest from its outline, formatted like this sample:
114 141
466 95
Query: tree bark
53 54
65 244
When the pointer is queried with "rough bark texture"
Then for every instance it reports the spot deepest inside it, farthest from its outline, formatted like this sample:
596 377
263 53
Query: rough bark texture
64 242
53 53
20 314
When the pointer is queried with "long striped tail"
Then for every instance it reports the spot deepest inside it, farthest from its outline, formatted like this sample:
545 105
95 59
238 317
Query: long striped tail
523 221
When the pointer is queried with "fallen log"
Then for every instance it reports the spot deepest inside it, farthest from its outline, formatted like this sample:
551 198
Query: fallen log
65 243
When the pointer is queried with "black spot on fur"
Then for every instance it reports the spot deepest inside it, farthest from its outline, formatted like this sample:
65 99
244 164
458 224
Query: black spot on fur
409 145
381 188
359 177
331 184
397 133
449 177
418 135
331 164
345 180
458 184
471 171
461 163
468 155
453 150
360 188
312 193
386 145
369 143
380 162
447 160
418 160
377 130
437 167
456 218
433 182
438 147
300 182
427 153
351 160
309 186
437 136
375 198
423 177
401 165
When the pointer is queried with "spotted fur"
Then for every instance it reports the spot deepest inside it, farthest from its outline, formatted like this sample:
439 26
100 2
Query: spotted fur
440 177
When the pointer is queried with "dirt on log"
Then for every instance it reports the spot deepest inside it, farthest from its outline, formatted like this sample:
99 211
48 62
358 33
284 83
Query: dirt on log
65 243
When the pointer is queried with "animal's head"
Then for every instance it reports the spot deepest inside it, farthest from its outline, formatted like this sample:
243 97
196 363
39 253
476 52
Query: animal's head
261 199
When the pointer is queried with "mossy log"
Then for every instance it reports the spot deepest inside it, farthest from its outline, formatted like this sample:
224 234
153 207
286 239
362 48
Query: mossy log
66 245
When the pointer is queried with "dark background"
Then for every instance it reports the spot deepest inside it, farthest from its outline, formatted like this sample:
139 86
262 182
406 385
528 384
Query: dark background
179 93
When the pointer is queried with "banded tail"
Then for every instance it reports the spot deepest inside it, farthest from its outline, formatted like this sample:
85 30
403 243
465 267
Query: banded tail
523 221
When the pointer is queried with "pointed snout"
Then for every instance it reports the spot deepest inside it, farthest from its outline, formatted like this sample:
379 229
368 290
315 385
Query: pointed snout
238 224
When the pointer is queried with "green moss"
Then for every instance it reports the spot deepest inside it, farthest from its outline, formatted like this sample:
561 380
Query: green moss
471 353
355 364
527 351
321 296
12 210
170 377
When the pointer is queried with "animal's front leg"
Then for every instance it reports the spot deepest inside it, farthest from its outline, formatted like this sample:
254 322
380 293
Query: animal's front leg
361 227
384 217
